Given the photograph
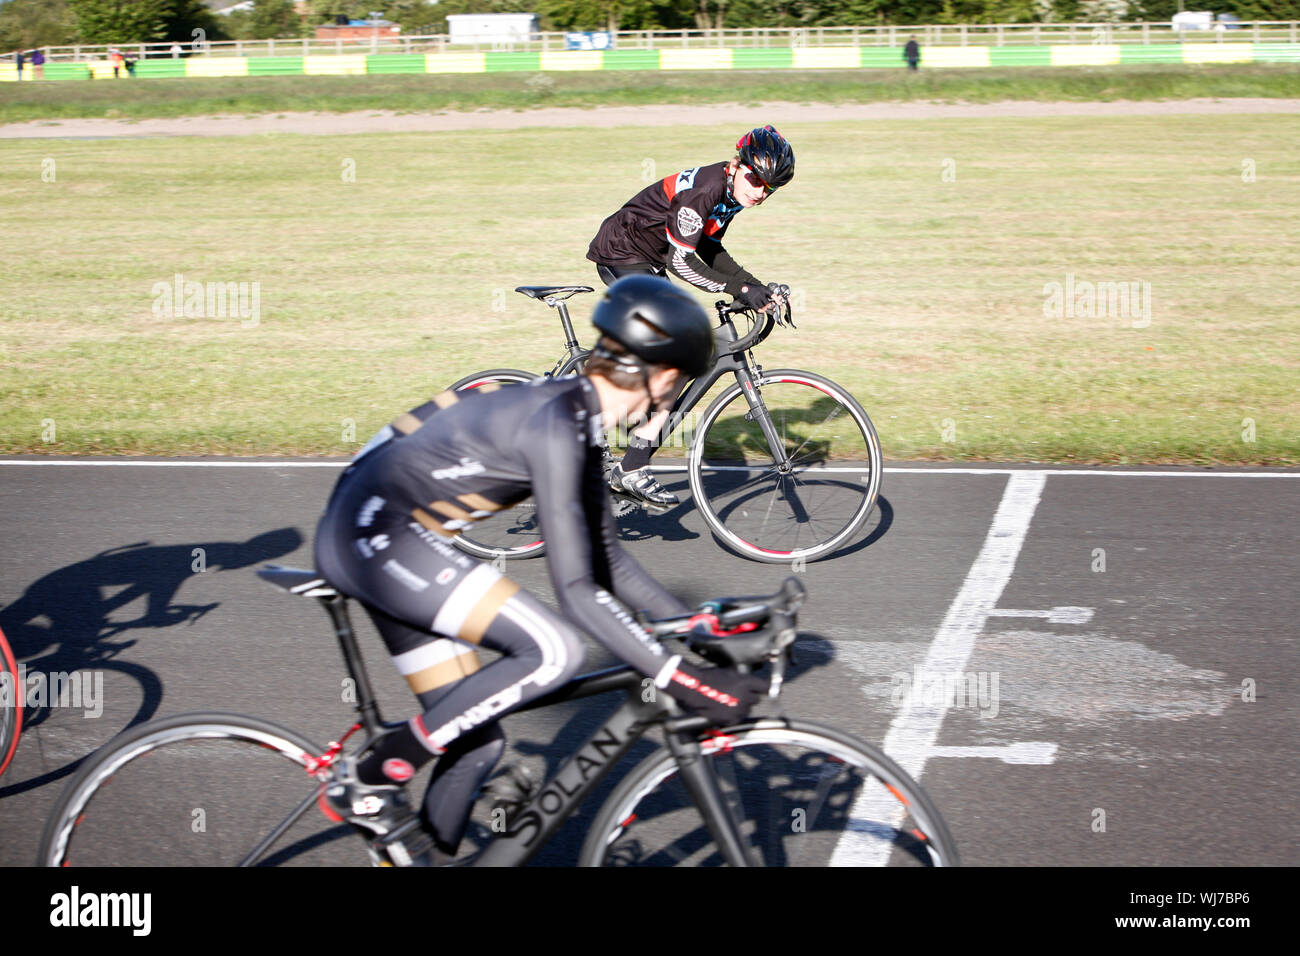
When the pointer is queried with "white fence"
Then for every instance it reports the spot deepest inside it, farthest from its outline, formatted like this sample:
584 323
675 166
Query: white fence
959 34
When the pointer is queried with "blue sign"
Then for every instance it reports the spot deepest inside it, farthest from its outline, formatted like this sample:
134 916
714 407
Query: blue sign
588 41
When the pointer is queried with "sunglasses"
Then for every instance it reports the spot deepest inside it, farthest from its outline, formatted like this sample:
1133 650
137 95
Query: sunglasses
757 183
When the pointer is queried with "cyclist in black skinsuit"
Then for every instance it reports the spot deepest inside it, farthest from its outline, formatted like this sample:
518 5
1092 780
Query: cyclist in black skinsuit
385 540
677 224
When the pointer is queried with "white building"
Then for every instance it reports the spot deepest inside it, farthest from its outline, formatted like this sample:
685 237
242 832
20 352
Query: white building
491 27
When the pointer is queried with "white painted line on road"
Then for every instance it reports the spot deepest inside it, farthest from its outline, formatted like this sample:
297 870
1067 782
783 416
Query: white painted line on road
1035 751
188 464
1084 473
1055 615
913 732
1052 473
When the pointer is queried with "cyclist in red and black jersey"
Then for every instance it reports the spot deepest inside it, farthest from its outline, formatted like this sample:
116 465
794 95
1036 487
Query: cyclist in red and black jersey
677 224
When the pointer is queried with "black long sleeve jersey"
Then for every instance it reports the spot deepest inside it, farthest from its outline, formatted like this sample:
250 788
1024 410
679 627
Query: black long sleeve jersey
677 222
464 455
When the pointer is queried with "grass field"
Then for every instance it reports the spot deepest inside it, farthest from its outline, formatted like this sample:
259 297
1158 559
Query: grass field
139 99
923 255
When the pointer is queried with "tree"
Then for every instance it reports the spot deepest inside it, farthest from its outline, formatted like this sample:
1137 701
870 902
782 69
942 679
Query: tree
324 11
271 19
122 21
143 21
26 24
415 17
184 17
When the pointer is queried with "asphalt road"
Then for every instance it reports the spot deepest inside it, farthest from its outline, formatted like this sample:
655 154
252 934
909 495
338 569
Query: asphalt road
1135 636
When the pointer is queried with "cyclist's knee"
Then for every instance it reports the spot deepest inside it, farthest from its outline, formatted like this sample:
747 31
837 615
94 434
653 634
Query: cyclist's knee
557 649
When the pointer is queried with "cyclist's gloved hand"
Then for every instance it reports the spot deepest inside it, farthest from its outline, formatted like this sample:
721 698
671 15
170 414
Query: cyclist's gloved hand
723 696
749 291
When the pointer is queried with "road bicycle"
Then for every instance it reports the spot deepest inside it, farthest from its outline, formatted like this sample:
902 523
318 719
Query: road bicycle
11 704
784 465
223 789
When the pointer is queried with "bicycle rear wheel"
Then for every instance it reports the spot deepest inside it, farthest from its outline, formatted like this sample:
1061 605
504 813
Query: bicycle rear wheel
195 790
801 795
805 502
11 704
513 533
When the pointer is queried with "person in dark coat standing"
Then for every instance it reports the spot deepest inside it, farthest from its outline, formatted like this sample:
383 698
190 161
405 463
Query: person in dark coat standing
20 58
912 54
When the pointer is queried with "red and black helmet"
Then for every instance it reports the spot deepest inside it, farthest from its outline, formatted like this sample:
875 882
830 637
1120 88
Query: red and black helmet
768 154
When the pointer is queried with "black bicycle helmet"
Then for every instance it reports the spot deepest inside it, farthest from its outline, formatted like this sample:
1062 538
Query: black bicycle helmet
657 322
768 154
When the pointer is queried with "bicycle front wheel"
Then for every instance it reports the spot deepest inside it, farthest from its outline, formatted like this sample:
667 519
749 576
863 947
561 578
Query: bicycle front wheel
792 472
11 704
196 790
514 533
800 795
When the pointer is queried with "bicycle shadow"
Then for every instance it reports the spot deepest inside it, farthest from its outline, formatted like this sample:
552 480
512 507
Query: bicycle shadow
640 526
583 721
63 623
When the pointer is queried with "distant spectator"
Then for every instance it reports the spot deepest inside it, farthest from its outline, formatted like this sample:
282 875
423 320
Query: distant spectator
130 59
176 51
115 57
18 57
912 53
38 65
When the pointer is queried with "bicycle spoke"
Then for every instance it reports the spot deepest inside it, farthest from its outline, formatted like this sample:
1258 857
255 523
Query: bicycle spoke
820 491
196 793
799 798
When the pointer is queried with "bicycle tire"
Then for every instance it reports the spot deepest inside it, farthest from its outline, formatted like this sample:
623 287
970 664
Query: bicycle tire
495 540
214 785
11 704
785 782
819 502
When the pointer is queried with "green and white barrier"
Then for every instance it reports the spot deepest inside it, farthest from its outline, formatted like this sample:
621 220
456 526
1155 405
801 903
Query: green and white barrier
720 58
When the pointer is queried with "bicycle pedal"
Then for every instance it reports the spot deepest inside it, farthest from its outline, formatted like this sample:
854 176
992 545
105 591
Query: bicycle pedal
625 504
407 845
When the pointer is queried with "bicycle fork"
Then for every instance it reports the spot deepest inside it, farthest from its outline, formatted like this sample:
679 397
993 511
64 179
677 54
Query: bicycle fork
701 782
758 413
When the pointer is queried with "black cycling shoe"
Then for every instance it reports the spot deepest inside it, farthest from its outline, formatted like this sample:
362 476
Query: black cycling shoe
642 486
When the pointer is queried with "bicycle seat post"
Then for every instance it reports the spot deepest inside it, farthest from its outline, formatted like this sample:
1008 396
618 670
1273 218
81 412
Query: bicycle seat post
337 608
570 338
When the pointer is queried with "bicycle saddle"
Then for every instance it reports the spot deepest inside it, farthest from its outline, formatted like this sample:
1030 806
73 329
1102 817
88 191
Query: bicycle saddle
552 291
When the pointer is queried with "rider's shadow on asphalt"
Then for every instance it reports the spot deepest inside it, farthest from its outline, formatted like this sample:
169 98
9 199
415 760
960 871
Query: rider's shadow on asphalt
65 621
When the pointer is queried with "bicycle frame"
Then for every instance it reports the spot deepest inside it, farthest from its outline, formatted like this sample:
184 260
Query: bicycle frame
734 357
534 824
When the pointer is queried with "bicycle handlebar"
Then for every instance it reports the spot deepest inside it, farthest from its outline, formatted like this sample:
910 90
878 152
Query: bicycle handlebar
745 632
765 322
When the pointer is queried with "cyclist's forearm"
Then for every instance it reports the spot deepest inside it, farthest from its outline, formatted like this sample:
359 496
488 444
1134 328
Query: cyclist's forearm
605 618
720 261
639 591
691 268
